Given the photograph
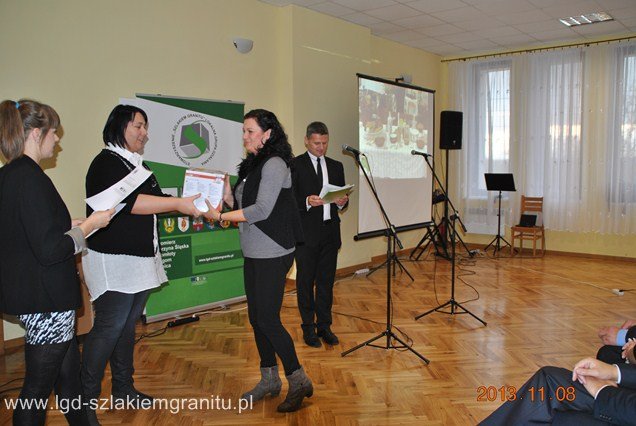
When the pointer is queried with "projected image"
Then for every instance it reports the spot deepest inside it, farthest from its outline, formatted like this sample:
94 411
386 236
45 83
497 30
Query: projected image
393 121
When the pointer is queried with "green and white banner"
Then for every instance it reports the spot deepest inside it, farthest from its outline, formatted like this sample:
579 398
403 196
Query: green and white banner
203 261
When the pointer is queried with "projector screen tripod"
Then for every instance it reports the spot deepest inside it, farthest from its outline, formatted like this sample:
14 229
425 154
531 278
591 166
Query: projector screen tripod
432 236
392 240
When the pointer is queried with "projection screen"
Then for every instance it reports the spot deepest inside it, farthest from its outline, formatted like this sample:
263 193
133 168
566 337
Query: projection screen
395 119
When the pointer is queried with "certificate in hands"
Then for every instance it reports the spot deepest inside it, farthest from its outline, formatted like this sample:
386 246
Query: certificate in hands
208 184
331 193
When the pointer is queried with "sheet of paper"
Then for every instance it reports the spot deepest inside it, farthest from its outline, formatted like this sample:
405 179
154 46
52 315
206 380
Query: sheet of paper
208 184
110 197
331 193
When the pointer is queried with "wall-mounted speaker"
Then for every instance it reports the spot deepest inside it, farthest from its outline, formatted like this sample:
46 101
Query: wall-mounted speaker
450 136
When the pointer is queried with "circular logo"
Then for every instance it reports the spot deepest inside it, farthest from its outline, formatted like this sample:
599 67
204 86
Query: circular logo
194 139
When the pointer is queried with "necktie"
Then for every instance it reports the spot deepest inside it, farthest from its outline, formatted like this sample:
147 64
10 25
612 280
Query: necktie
319 170
326 214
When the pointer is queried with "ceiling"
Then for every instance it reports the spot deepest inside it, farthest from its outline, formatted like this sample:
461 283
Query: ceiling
467 27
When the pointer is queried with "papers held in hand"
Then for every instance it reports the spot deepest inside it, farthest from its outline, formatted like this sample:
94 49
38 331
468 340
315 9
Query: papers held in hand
115 194
331 193
208 184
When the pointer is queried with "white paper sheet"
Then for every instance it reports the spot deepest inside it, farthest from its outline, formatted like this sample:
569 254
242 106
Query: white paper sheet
331 193
110 197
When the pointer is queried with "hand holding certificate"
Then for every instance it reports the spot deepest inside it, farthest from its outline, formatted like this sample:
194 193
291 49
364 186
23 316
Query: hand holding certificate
208 184
331 193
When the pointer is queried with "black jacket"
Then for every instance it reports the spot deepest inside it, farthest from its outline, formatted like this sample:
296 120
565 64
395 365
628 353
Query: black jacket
37 261
617 405
305 183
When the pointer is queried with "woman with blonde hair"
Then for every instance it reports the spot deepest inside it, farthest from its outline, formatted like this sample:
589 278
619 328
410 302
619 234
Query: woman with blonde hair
38 277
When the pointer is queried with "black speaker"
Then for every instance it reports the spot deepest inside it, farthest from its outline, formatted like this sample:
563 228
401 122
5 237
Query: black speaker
450 136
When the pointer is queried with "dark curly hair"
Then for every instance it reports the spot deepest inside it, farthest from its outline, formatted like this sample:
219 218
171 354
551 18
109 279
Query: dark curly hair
277 145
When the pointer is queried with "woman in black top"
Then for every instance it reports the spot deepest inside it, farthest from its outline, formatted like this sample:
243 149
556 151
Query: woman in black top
38 278
123 262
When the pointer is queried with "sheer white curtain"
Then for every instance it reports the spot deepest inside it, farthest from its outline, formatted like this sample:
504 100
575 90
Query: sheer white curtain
564 123
483 94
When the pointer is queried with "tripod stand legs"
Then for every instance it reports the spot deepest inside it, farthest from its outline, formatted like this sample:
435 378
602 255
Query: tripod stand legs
496 243
453 306
389 335
432 232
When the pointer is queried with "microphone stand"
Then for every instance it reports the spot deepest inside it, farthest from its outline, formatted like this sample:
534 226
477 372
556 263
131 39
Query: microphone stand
392 239
453 304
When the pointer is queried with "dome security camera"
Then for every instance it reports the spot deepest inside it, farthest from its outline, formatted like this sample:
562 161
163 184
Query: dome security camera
243 45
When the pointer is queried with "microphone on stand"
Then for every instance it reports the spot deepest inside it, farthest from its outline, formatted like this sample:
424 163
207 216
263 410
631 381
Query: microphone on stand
423 154
351 149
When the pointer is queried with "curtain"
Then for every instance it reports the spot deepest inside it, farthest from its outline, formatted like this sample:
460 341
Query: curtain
564 123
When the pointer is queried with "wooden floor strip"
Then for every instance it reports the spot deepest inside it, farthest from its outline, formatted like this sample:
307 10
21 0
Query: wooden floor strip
539 311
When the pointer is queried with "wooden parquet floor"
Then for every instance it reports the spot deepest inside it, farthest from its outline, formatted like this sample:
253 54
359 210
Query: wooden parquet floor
539 311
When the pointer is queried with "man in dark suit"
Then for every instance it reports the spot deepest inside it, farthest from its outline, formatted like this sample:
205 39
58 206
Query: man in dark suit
594 393
316 259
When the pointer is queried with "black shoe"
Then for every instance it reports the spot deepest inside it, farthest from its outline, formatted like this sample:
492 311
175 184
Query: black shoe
312 340
328 337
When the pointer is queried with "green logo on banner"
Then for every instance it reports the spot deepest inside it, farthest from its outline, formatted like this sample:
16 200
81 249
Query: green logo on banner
195 140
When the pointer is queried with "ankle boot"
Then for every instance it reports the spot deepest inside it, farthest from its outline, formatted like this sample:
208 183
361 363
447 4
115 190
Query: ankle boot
270 384
299 387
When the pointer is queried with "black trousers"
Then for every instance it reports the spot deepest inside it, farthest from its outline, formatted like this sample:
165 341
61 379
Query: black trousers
549 385
316 263
112 338
48 367
264 288
610 354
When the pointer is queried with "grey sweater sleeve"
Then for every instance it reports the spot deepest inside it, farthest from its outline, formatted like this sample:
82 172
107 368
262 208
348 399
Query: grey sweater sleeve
78 239
273 177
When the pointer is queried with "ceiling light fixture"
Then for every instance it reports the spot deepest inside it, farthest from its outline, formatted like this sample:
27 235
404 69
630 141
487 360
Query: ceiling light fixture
590 18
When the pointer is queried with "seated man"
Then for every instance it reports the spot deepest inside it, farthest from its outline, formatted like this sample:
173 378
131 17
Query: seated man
593 393
614 338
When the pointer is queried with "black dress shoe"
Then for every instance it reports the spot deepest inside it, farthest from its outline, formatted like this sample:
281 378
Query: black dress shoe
328 337
312 340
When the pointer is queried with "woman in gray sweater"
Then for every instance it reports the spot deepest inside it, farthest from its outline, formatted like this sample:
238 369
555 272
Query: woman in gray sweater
269 228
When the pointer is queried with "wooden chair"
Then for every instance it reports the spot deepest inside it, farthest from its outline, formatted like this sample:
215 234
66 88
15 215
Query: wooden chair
534 233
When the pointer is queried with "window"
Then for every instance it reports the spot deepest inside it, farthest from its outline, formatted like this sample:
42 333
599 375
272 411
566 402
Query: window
492 126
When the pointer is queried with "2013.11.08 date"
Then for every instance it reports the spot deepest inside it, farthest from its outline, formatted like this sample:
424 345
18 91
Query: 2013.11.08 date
539 394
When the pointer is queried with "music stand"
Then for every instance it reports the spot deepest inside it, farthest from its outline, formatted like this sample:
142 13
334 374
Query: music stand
499 182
